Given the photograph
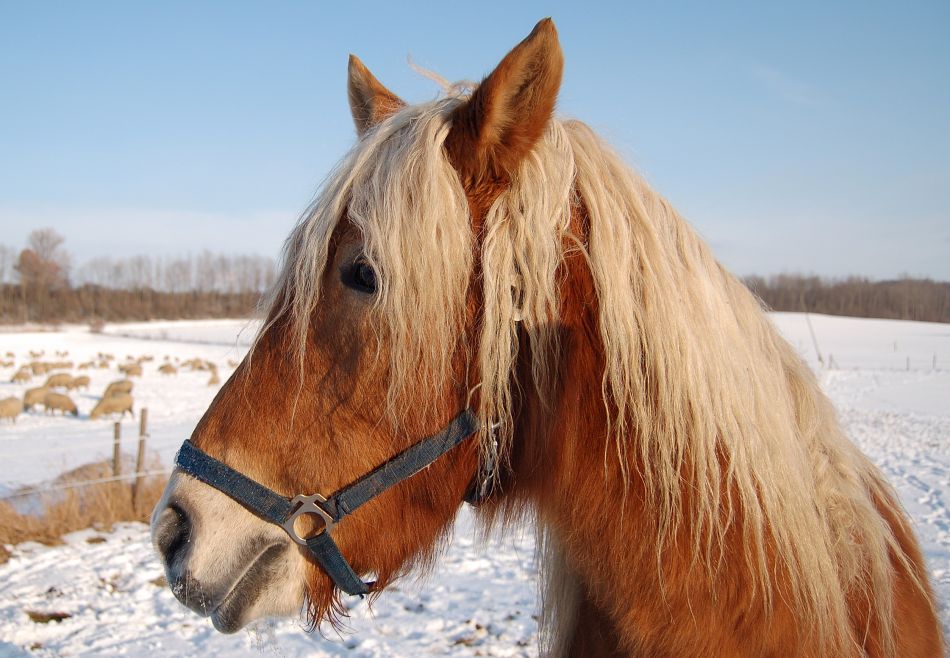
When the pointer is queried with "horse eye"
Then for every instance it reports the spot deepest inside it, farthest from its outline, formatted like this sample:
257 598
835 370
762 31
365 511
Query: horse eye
360 276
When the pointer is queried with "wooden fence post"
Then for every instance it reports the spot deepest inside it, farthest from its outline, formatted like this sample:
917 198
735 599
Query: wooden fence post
140 458
814 339
116 451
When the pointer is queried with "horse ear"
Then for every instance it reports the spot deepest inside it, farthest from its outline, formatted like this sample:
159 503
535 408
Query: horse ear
509 110
370 101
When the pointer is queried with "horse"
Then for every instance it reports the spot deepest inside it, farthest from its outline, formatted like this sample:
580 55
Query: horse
483 273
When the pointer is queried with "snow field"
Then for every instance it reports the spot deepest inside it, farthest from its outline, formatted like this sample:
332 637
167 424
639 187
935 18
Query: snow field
481 598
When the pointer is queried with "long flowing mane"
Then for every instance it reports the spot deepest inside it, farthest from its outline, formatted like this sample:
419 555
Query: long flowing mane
710 407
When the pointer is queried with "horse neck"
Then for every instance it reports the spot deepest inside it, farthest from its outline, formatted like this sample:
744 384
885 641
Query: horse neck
597 530
562 463
561 433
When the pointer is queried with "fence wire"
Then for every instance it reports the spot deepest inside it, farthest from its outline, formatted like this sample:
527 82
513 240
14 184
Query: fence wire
84 483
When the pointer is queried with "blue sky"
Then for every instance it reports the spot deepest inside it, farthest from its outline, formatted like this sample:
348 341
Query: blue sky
813 137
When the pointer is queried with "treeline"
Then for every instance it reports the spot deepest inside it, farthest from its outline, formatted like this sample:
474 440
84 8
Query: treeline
900 299
204 272
95 304
39 284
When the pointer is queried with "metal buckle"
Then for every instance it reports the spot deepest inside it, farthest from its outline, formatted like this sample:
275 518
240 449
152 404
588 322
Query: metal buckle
307 505
486 473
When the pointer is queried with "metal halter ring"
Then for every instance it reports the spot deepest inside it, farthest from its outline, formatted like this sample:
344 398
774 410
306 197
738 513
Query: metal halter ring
307 505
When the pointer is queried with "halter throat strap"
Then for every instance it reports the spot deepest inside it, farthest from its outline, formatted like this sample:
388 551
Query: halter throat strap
274 508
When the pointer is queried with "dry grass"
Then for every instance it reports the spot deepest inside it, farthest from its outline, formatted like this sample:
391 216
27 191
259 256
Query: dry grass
54 514
46 617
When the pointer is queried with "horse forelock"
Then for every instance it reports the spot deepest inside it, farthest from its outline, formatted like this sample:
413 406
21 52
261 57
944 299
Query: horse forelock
708 405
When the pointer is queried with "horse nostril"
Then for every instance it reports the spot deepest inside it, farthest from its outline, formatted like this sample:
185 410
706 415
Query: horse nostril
172 533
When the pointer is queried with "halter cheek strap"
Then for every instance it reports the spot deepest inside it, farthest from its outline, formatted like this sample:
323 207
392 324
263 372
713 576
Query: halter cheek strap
276 509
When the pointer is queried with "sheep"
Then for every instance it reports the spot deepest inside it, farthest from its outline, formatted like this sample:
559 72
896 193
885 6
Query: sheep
82 381
86 365
34 396
114 404
215 380
198 364
117 387
36 355
11 355
60 380
168 369
10 408
131 369
62 353
39 367
53 401
21 376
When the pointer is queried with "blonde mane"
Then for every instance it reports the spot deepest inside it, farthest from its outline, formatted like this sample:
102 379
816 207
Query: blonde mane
698 384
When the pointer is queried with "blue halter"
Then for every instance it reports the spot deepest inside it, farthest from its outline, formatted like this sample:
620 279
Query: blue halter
276 509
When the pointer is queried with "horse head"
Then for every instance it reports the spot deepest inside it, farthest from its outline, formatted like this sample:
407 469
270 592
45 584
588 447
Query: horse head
370 343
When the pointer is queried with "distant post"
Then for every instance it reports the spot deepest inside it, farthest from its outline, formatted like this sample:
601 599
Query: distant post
814 339
140 458
116 451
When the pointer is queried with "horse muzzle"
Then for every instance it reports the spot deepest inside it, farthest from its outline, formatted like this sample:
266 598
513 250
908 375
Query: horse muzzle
233 578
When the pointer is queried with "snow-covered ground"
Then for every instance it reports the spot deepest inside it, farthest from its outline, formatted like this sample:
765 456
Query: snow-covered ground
481 600
40 447
890 381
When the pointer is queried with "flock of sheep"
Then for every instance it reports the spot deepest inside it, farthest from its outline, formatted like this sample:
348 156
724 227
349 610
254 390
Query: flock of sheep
115 399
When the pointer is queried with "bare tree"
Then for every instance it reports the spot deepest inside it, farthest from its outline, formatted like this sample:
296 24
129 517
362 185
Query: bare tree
97 272
47 244
7 258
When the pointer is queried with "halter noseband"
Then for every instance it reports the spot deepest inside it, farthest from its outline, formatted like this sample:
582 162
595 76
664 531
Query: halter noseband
276 509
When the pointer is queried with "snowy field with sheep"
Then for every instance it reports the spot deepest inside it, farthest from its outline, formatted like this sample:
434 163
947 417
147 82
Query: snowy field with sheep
102 593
